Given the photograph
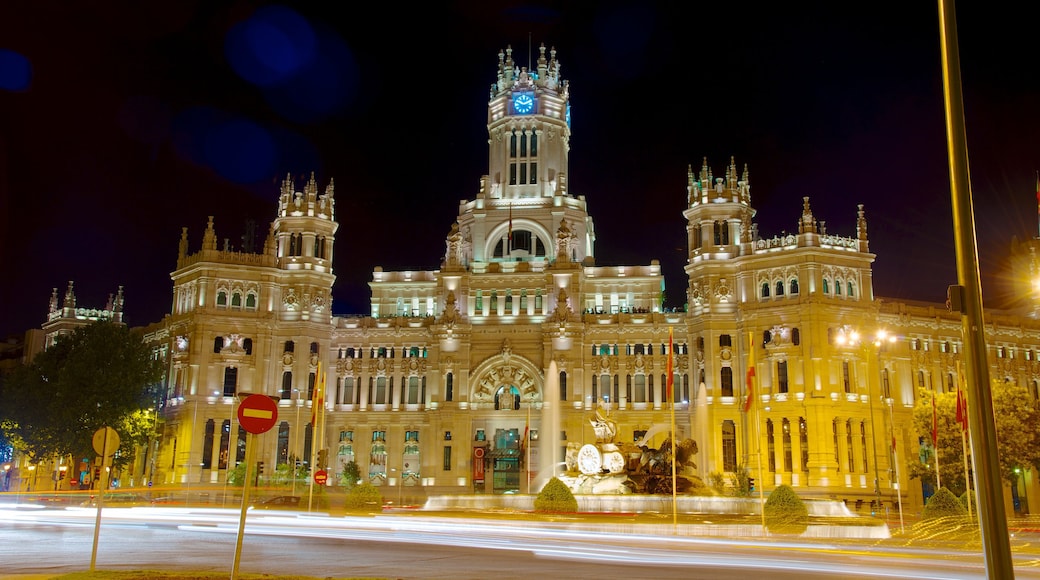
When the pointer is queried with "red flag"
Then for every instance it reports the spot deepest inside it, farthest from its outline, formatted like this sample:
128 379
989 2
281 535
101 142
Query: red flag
670 380
935 423
962 410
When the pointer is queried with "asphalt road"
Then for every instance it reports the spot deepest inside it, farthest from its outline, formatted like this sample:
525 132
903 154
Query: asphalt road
60 541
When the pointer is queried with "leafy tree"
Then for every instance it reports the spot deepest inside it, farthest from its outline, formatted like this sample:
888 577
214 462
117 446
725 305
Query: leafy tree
351 475
1018 442
101 375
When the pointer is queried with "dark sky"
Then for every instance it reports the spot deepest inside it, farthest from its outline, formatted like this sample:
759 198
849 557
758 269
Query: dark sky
122 122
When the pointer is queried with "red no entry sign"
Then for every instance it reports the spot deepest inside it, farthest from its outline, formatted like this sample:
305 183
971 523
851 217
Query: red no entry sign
258 413
321 477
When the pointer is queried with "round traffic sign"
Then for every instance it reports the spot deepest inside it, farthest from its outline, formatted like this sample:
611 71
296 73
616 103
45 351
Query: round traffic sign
258 413
106 442
321 476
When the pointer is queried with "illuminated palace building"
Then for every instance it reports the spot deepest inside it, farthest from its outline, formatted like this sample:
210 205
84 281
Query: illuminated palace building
435 387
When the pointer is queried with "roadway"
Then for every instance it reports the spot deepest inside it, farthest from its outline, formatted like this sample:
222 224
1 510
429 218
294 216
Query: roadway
56 541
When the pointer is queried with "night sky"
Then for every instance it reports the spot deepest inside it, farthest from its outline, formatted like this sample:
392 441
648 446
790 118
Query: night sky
122 122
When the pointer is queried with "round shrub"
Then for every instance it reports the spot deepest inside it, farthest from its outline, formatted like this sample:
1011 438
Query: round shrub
943 504
363 496
555 497
785 512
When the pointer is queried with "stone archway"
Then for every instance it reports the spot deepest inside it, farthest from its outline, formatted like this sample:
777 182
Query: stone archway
506 375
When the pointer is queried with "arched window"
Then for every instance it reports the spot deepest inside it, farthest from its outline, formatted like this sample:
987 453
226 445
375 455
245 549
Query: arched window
852 291
251 300
794 285
222 298
236 300
826 286
779 288
765 289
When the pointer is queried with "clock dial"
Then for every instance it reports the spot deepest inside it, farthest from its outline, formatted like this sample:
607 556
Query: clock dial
523 104
589 461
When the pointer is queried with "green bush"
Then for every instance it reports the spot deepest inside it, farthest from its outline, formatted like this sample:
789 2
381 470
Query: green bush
785 512
943 504
363 496
969 496
555 497
717 481
743 482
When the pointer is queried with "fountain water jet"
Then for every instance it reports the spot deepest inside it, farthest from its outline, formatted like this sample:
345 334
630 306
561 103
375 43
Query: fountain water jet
549 434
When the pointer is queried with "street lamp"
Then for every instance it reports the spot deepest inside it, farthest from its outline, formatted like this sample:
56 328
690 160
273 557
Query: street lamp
297 452
850 337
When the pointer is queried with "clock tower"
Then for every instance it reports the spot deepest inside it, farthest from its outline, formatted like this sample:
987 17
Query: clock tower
523 209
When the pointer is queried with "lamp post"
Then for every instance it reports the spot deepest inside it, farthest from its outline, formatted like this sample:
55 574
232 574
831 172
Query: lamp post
881 338
850 337
297 401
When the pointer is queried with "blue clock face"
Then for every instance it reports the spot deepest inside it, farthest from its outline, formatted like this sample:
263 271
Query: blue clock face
523 104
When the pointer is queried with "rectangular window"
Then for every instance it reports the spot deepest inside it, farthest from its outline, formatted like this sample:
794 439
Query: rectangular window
788 464
380 394
512 174
534 173
413 391
729 446
771 445
781 376
449 387
447 458
523 173
230 381
349 396
846 379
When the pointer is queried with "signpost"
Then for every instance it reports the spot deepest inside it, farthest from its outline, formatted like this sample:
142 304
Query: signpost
106 443
321 477
256 414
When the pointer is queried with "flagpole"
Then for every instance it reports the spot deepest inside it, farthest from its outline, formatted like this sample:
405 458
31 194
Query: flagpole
935 441
962 421
315 398
749 403
671 395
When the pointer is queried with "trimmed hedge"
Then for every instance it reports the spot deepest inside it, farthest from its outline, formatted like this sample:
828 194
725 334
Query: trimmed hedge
363 496
555 497
943 504
785 512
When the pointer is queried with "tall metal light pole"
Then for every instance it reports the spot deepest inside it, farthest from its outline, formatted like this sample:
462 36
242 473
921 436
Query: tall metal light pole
996 545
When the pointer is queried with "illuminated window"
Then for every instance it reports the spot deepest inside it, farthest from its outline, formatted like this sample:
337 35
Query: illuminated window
729 446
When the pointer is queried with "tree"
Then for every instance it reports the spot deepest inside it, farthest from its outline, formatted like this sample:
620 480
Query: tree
101 375
1018 443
